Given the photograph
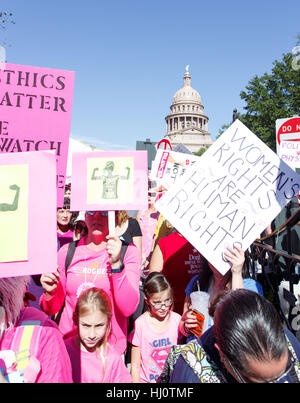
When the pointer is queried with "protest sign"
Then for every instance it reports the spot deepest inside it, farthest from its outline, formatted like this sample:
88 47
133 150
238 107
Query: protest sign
230 195
109 180
35 113
28 213
289 152
14 212
168 166
288 141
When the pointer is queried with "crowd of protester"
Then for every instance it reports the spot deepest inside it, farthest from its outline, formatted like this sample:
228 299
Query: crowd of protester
119 309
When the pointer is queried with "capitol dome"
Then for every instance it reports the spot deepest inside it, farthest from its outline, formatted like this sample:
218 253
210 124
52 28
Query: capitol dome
187 93
187 123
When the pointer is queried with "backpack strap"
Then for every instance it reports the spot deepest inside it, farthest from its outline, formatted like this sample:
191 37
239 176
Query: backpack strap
123 250
70 254
122 254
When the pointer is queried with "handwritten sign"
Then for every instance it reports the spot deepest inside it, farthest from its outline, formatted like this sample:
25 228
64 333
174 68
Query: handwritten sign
230 195
35 113
107 180
289 152
28 213
168 166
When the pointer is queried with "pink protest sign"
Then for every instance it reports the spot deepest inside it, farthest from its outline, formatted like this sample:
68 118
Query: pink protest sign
108 180
35 113
28 243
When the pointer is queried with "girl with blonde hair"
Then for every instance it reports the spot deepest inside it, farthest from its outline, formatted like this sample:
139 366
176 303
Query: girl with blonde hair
93 358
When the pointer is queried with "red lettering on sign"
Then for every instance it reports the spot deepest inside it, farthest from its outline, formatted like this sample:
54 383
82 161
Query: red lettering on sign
290 126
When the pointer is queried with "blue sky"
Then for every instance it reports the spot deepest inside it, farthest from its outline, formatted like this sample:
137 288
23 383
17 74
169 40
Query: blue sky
129 57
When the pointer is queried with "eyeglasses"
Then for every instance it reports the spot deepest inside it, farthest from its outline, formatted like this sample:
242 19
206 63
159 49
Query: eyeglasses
103 213
288 369
168 302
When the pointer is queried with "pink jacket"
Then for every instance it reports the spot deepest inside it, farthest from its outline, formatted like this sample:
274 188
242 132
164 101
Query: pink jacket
92 269
51 352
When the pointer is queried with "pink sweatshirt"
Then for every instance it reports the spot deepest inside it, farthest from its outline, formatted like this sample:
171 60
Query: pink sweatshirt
91 269
88 367
51 353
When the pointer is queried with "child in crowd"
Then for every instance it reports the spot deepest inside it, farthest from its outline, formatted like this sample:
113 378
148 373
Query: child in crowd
93 359
156 331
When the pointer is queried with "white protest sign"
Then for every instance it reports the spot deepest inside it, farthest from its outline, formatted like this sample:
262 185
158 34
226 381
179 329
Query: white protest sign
229 195
168 166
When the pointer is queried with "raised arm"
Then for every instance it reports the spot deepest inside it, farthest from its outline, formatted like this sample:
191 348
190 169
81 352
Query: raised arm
157 260
125 279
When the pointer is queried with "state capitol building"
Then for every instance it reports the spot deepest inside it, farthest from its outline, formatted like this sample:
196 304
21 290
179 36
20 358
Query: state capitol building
187 123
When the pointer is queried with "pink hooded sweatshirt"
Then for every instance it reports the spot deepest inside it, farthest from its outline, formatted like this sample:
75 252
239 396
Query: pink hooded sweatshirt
92 269
49 348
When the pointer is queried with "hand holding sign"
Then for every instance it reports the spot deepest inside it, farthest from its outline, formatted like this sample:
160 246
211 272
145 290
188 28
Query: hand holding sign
49 282
236 257
113 247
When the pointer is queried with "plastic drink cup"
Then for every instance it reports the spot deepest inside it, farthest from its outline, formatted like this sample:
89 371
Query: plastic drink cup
200 301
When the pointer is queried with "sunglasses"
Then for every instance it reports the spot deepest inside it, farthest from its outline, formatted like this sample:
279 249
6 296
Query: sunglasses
103 213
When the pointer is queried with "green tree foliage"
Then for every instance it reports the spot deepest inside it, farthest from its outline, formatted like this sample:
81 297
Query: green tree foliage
270 97
201 151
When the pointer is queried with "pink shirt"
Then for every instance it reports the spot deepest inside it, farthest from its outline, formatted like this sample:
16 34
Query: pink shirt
154 346
92 269
88 367
51 352
65 238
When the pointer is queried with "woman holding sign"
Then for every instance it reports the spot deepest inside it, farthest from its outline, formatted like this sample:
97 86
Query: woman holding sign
96 263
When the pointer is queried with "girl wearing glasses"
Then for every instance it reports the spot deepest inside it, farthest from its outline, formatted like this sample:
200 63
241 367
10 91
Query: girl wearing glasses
95 263
155 331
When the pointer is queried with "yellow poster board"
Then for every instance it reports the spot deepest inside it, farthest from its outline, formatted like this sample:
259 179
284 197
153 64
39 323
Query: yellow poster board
13 213
110 180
